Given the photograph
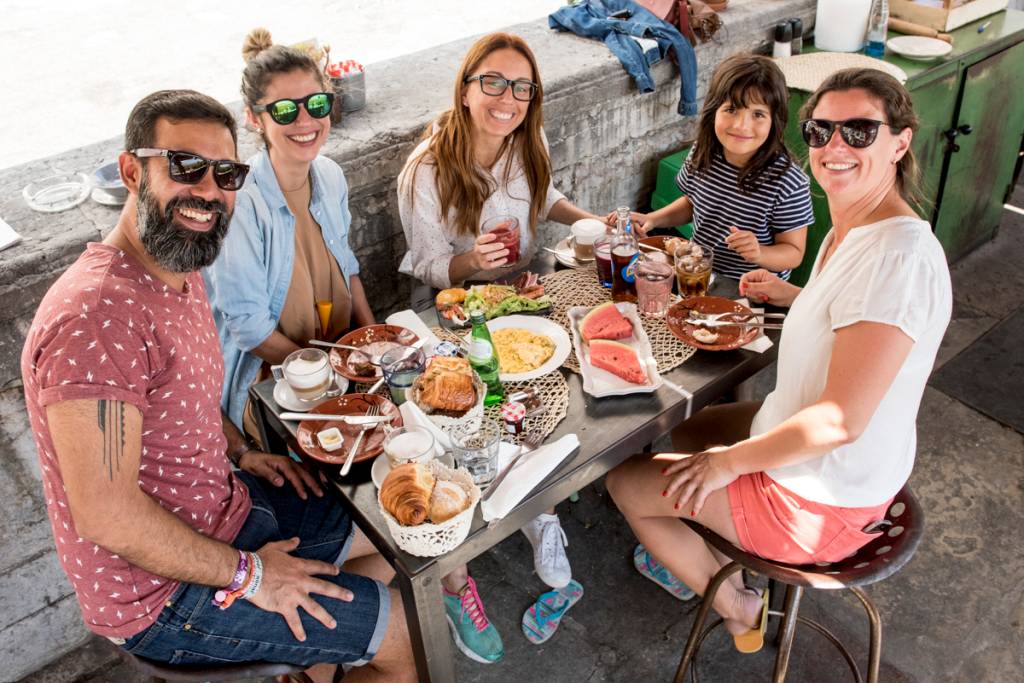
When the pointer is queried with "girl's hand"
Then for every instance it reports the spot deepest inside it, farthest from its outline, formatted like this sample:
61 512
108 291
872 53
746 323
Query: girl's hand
762 286
695 477
642 222
488 254
744 243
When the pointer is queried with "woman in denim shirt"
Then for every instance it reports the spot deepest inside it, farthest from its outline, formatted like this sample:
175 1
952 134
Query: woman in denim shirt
286 273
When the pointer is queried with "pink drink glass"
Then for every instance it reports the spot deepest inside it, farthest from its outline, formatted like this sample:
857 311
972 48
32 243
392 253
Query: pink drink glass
654 285
506 230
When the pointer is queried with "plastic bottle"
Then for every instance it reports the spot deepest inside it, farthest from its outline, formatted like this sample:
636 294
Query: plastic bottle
484 360
625 252
783 40
878 27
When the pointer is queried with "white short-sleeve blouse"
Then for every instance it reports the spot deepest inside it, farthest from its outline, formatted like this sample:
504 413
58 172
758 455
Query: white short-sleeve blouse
893 272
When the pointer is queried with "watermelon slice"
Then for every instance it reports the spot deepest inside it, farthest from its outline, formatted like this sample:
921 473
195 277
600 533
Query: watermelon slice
617 359
605 322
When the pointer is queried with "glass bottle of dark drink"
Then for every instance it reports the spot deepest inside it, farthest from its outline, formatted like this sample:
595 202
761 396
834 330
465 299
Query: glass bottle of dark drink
625 252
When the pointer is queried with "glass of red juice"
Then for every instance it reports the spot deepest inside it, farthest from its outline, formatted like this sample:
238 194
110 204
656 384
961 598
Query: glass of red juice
506 230
603 260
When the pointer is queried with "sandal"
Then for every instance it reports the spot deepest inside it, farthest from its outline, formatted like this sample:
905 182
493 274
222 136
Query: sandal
753 640
540 621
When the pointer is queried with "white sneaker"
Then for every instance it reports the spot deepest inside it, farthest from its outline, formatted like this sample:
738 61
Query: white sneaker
549 541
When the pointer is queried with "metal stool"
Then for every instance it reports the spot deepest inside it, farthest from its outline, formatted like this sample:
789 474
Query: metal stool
159 672
899 536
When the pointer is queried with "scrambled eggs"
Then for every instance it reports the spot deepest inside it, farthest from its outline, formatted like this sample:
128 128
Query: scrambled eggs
520 350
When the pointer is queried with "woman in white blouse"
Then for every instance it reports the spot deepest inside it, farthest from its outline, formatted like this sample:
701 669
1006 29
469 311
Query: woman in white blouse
486 156
809 470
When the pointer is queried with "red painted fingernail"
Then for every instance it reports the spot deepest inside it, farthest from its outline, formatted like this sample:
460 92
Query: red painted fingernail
664 470
676 506
664 494
693 513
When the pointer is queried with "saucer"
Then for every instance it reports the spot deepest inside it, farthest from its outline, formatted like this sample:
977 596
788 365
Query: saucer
564 255
286 398
381 466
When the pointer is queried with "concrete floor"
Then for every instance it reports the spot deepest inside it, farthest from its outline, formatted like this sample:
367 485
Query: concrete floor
954 613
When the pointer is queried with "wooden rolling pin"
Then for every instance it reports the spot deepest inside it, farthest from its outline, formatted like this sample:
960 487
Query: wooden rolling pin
912 29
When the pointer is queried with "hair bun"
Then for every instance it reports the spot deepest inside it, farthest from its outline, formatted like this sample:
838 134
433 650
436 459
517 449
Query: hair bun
256 42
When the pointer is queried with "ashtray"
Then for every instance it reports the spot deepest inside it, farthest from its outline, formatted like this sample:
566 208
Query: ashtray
58 192
108 179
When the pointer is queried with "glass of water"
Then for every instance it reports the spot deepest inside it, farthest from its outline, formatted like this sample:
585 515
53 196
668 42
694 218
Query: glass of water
475 446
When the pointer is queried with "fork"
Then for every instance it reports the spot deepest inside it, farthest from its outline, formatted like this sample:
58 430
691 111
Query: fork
714 317
374 411
529 443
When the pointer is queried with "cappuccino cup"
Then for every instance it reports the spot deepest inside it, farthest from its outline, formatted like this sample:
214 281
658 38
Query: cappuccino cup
583 234
308 373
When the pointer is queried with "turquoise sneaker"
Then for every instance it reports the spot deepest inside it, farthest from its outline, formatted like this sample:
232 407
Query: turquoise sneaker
473 632
653 570
541 620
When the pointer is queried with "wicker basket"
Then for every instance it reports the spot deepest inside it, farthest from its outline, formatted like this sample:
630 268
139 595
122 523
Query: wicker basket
431 540
445 422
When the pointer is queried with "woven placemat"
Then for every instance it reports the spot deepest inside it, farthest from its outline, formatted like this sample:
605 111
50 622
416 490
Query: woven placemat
568 288
552 389
809 70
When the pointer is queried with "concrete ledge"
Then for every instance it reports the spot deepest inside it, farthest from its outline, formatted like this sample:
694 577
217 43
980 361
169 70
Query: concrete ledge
605 142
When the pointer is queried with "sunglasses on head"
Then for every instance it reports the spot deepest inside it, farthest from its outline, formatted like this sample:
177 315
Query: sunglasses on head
495 86
857 133
189 169
286 110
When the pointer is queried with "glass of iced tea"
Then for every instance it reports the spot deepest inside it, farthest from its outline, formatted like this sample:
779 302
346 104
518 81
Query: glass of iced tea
693 271
653 284
506 230
603 260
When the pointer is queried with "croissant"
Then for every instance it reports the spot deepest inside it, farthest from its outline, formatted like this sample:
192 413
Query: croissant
447 500
448 385
405 493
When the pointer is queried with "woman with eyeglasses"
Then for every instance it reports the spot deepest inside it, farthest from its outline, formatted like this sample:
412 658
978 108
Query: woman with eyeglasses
286 273
485 157
807 473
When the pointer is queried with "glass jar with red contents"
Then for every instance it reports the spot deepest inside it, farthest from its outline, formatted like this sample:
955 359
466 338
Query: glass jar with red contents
513 414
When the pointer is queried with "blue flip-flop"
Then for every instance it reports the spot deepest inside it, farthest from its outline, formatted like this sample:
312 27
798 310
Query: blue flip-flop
541 621
656 572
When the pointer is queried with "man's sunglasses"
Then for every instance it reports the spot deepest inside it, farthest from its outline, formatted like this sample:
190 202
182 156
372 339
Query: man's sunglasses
857 133
189 169
286 111
495 86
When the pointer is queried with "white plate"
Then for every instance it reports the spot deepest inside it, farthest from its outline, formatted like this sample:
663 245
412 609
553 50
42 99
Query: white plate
598 382
538 325
919 47
381 466
286 398
566 258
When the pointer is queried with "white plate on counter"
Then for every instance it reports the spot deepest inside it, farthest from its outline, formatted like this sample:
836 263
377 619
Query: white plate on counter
919 48
598 382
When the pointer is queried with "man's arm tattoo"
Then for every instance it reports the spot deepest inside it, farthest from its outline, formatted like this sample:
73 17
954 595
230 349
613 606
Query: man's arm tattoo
110 415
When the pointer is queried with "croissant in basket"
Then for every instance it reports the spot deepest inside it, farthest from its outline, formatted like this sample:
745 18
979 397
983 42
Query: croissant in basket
405 493
447 385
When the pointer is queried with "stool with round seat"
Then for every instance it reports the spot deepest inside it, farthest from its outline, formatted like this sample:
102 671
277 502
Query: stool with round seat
159 672
898 537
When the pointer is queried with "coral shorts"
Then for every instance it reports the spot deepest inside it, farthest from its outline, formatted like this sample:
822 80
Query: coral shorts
776 524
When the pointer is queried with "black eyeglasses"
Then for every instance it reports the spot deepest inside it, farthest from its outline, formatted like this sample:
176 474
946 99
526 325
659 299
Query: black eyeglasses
857 133
189 169
495 86
286 110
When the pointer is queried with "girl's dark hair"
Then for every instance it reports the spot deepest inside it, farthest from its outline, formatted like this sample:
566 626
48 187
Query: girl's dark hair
741 80
894 100
264 60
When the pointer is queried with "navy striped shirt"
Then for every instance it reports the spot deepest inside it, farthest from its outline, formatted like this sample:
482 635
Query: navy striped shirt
782 202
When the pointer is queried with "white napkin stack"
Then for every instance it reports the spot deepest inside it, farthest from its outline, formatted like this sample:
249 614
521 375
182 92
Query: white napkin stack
761 342
409 320
413 416
528 472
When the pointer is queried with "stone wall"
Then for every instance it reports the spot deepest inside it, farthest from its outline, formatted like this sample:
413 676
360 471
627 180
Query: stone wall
605 142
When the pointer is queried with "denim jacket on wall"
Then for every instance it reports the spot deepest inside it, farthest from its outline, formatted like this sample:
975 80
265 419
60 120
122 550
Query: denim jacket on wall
249 281
591 19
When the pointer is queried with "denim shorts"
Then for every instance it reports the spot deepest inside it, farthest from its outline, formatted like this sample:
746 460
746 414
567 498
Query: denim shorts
191 630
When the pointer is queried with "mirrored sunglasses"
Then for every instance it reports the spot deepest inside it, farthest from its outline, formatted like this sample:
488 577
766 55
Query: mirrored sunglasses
286 110
189 169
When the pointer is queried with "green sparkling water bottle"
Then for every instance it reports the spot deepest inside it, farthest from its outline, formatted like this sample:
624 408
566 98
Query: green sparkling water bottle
484 360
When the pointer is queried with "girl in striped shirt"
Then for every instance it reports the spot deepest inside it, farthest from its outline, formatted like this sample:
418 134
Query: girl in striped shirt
748 200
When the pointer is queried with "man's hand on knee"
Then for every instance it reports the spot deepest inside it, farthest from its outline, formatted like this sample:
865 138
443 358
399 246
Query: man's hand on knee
289 582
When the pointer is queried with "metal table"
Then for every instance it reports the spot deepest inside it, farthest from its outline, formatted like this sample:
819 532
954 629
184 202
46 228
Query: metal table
610 430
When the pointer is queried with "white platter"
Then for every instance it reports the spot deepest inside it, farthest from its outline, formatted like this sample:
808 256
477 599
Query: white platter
919 48
598 382
538 325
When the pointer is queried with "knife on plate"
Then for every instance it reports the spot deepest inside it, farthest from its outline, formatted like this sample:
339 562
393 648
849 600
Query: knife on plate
347 419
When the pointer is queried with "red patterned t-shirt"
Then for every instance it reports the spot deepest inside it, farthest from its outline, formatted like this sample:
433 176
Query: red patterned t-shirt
107 329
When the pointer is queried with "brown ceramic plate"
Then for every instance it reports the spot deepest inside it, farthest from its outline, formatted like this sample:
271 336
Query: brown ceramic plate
362 337
729 337
656 241
349 404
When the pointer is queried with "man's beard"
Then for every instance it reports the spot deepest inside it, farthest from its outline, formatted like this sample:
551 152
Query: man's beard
177 248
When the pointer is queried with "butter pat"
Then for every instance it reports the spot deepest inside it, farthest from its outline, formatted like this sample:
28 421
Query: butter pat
330 439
